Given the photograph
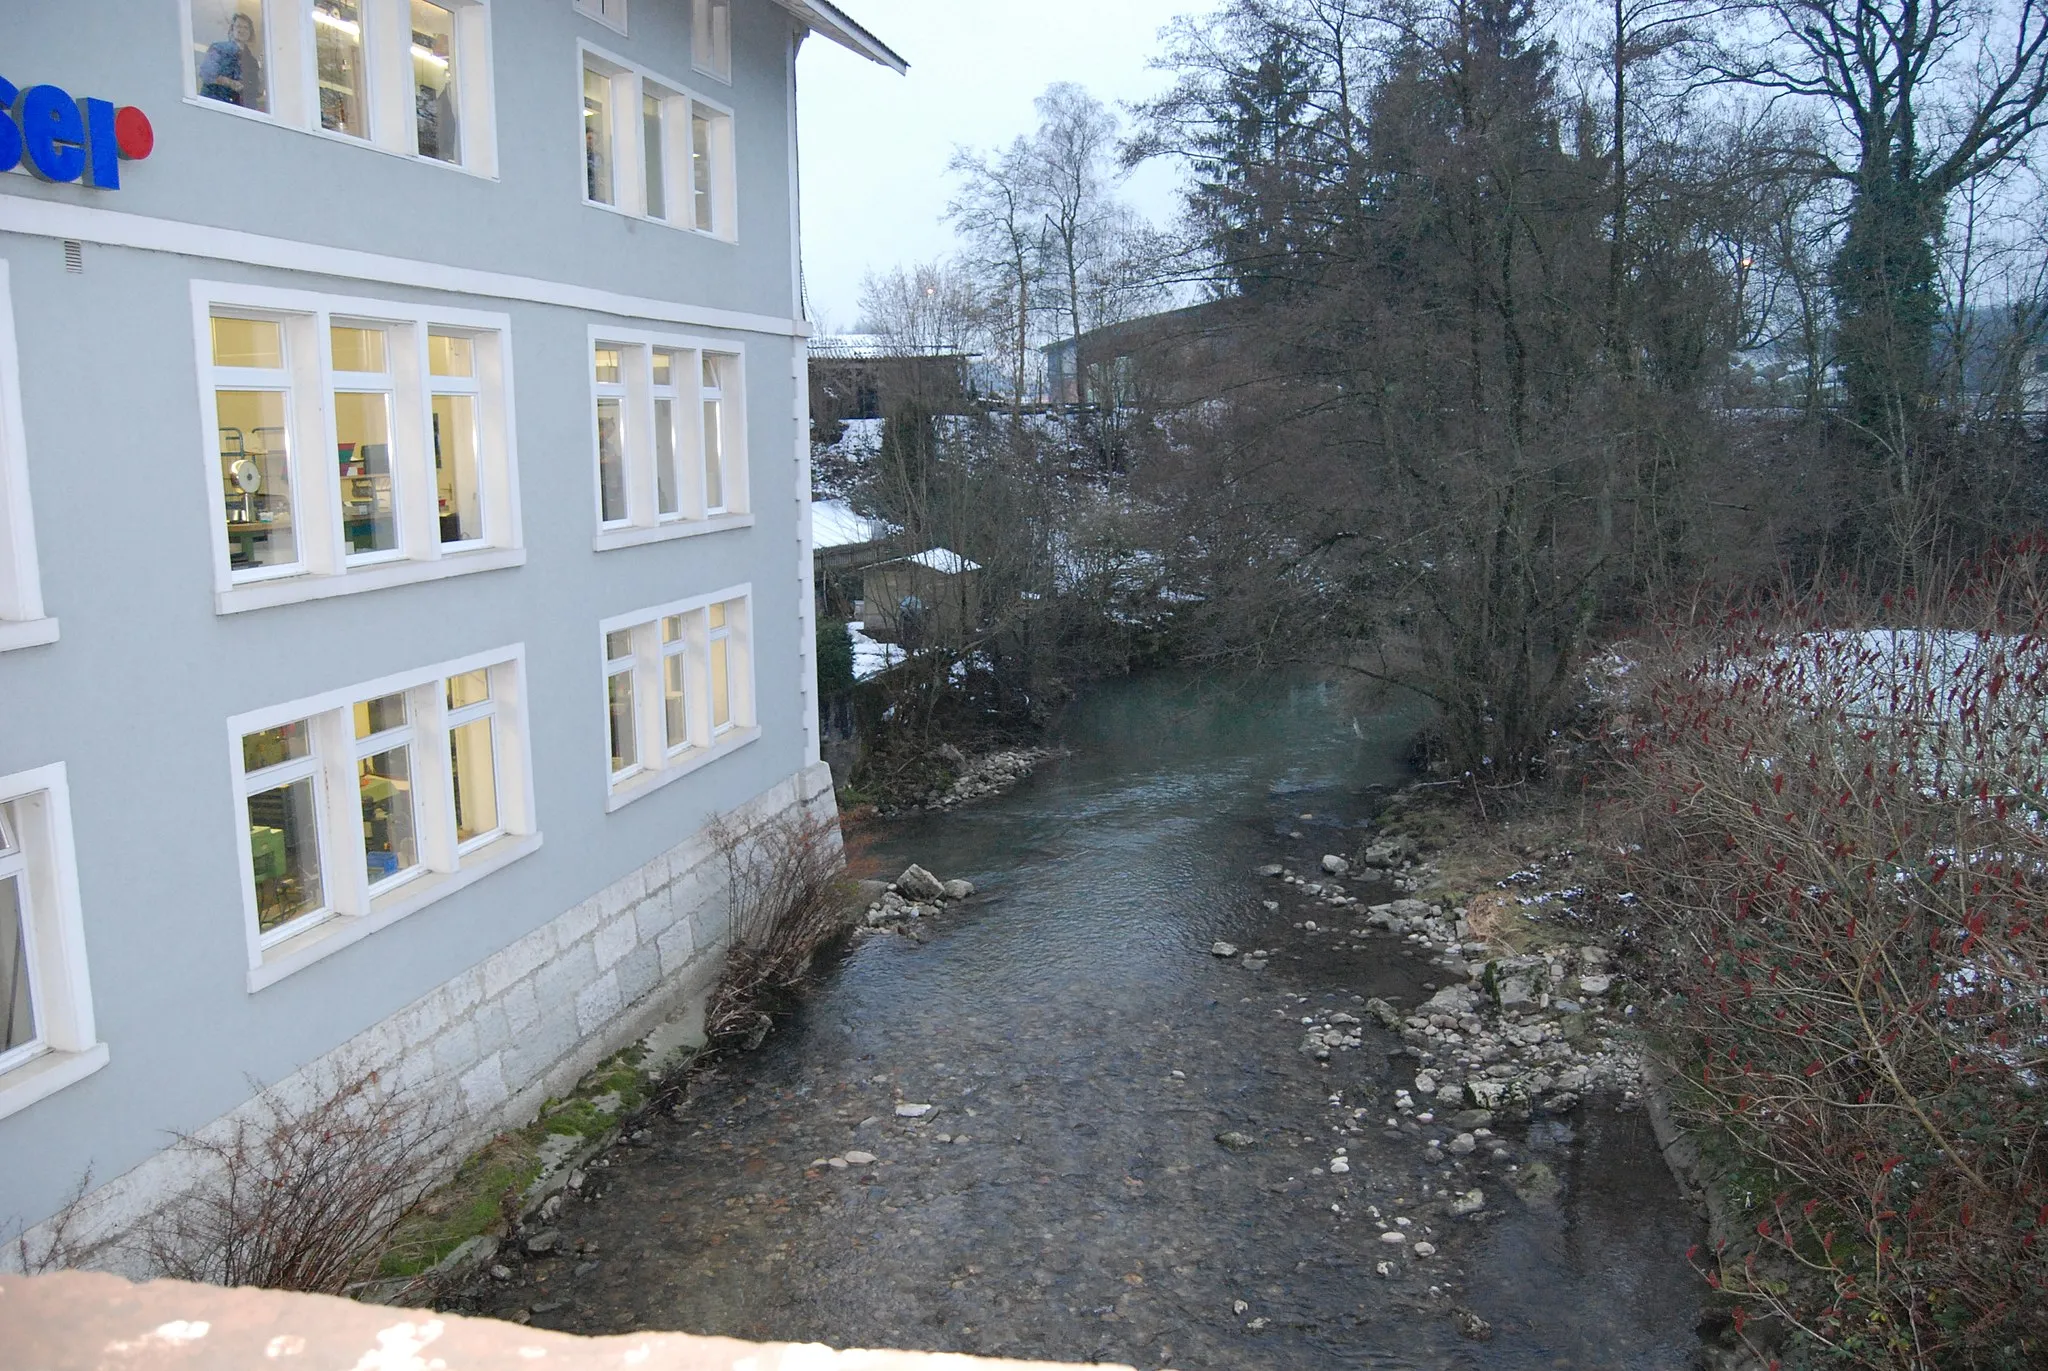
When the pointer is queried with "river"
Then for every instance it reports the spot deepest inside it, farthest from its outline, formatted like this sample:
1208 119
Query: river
1067 1198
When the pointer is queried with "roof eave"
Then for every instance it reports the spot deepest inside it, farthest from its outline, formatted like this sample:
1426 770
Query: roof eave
836 25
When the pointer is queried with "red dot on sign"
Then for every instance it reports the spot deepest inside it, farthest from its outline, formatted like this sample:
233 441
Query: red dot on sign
132 133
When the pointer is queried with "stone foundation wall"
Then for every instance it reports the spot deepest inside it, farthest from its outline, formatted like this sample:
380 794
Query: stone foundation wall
522 1025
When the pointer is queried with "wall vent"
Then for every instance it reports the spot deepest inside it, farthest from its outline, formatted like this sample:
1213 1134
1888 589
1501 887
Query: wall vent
74 256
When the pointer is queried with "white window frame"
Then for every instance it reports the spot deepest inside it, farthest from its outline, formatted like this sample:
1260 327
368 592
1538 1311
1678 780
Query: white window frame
67 1047
644 521
390 109
711 50
324 567
631 83
355 908
23 622
661 764
610 13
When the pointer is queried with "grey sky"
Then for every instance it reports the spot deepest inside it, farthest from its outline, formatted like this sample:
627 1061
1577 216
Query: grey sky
875 145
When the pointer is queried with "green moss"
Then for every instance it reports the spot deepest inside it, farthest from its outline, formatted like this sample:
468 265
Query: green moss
472 1203
487 1191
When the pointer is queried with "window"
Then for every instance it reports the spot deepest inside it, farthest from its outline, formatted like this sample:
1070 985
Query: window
361 806
436 62
711 45
338 63
597 137
354 444
610 13
47 1035
22 621
678 689
653 150
408 77
668 443
231 52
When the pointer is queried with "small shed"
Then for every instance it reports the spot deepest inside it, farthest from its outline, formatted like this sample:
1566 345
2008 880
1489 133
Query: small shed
933 596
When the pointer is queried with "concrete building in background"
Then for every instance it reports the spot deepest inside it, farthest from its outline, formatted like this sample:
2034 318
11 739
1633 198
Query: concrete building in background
404 545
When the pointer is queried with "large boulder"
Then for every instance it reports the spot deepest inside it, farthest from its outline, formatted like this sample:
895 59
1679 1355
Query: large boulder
919 884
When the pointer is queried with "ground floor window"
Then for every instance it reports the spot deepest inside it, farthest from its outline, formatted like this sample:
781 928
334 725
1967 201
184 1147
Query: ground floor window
678 687
47 1036
349 799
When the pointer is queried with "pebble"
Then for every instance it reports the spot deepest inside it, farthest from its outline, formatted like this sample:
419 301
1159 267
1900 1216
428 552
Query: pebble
1339 1166
1471 1202
912 1111
1392 1236
860 1158
1424 1249
543 1242
1463 1145
501 1273
1219 948
837 1163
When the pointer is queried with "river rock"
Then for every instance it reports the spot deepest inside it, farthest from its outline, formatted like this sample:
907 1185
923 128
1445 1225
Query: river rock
1272 869
1471 1202
959 890
860 1159
912 1111
1219 948
1388 1016
1336 865
1424 1249
1425 1082
1559 1102
1339 1166
1513 992
543 1242
1470 1325
1595 984
1538 1183
1393 1236
1471 1120
1237 1142
1463 1145
918 884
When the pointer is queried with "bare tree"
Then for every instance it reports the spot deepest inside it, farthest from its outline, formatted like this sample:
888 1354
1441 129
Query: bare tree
1073 162
998 214
926 308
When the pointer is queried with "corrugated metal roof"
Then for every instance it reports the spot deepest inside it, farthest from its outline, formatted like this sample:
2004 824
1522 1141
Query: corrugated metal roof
837 25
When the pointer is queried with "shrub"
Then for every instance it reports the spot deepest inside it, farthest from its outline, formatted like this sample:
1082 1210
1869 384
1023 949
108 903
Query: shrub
302 1195
786 886
1837 833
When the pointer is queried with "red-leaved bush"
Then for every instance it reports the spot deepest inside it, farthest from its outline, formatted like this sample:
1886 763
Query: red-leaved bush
1837 849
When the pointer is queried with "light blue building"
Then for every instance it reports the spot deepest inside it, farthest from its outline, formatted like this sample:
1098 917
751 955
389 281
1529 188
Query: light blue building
404 545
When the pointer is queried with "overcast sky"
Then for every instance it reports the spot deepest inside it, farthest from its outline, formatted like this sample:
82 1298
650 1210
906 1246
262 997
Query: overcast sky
875 145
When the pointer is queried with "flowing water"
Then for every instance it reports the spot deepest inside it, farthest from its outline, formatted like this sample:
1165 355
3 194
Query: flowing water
1068 1198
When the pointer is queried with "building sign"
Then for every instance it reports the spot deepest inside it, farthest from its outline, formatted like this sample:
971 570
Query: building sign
64 139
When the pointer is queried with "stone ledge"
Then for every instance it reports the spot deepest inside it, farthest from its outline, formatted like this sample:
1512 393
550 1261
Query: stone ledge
78 1321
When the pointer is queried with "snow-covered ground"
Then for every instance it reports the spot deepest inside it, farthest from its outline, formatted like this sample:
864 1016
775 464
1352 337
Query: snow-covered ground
870 658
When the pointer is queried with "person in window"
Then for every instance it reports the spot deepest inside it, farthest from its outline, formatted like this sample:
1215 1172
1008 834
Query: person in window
230 72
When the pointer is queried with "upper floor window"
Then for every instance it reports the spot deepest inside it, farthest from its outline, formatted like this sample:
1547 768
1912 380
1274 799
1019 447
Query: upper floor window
404 76
679 689
354 444
364 804
47 1037
711 38
652 149
22 620
610 13
670 441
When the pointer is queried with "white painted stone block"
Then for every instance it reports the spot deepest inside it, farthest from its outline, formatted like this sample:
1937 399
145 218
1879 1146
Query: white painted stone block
676 946
483 1086
614 940
596 1005
579 923
518 961
522 1007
